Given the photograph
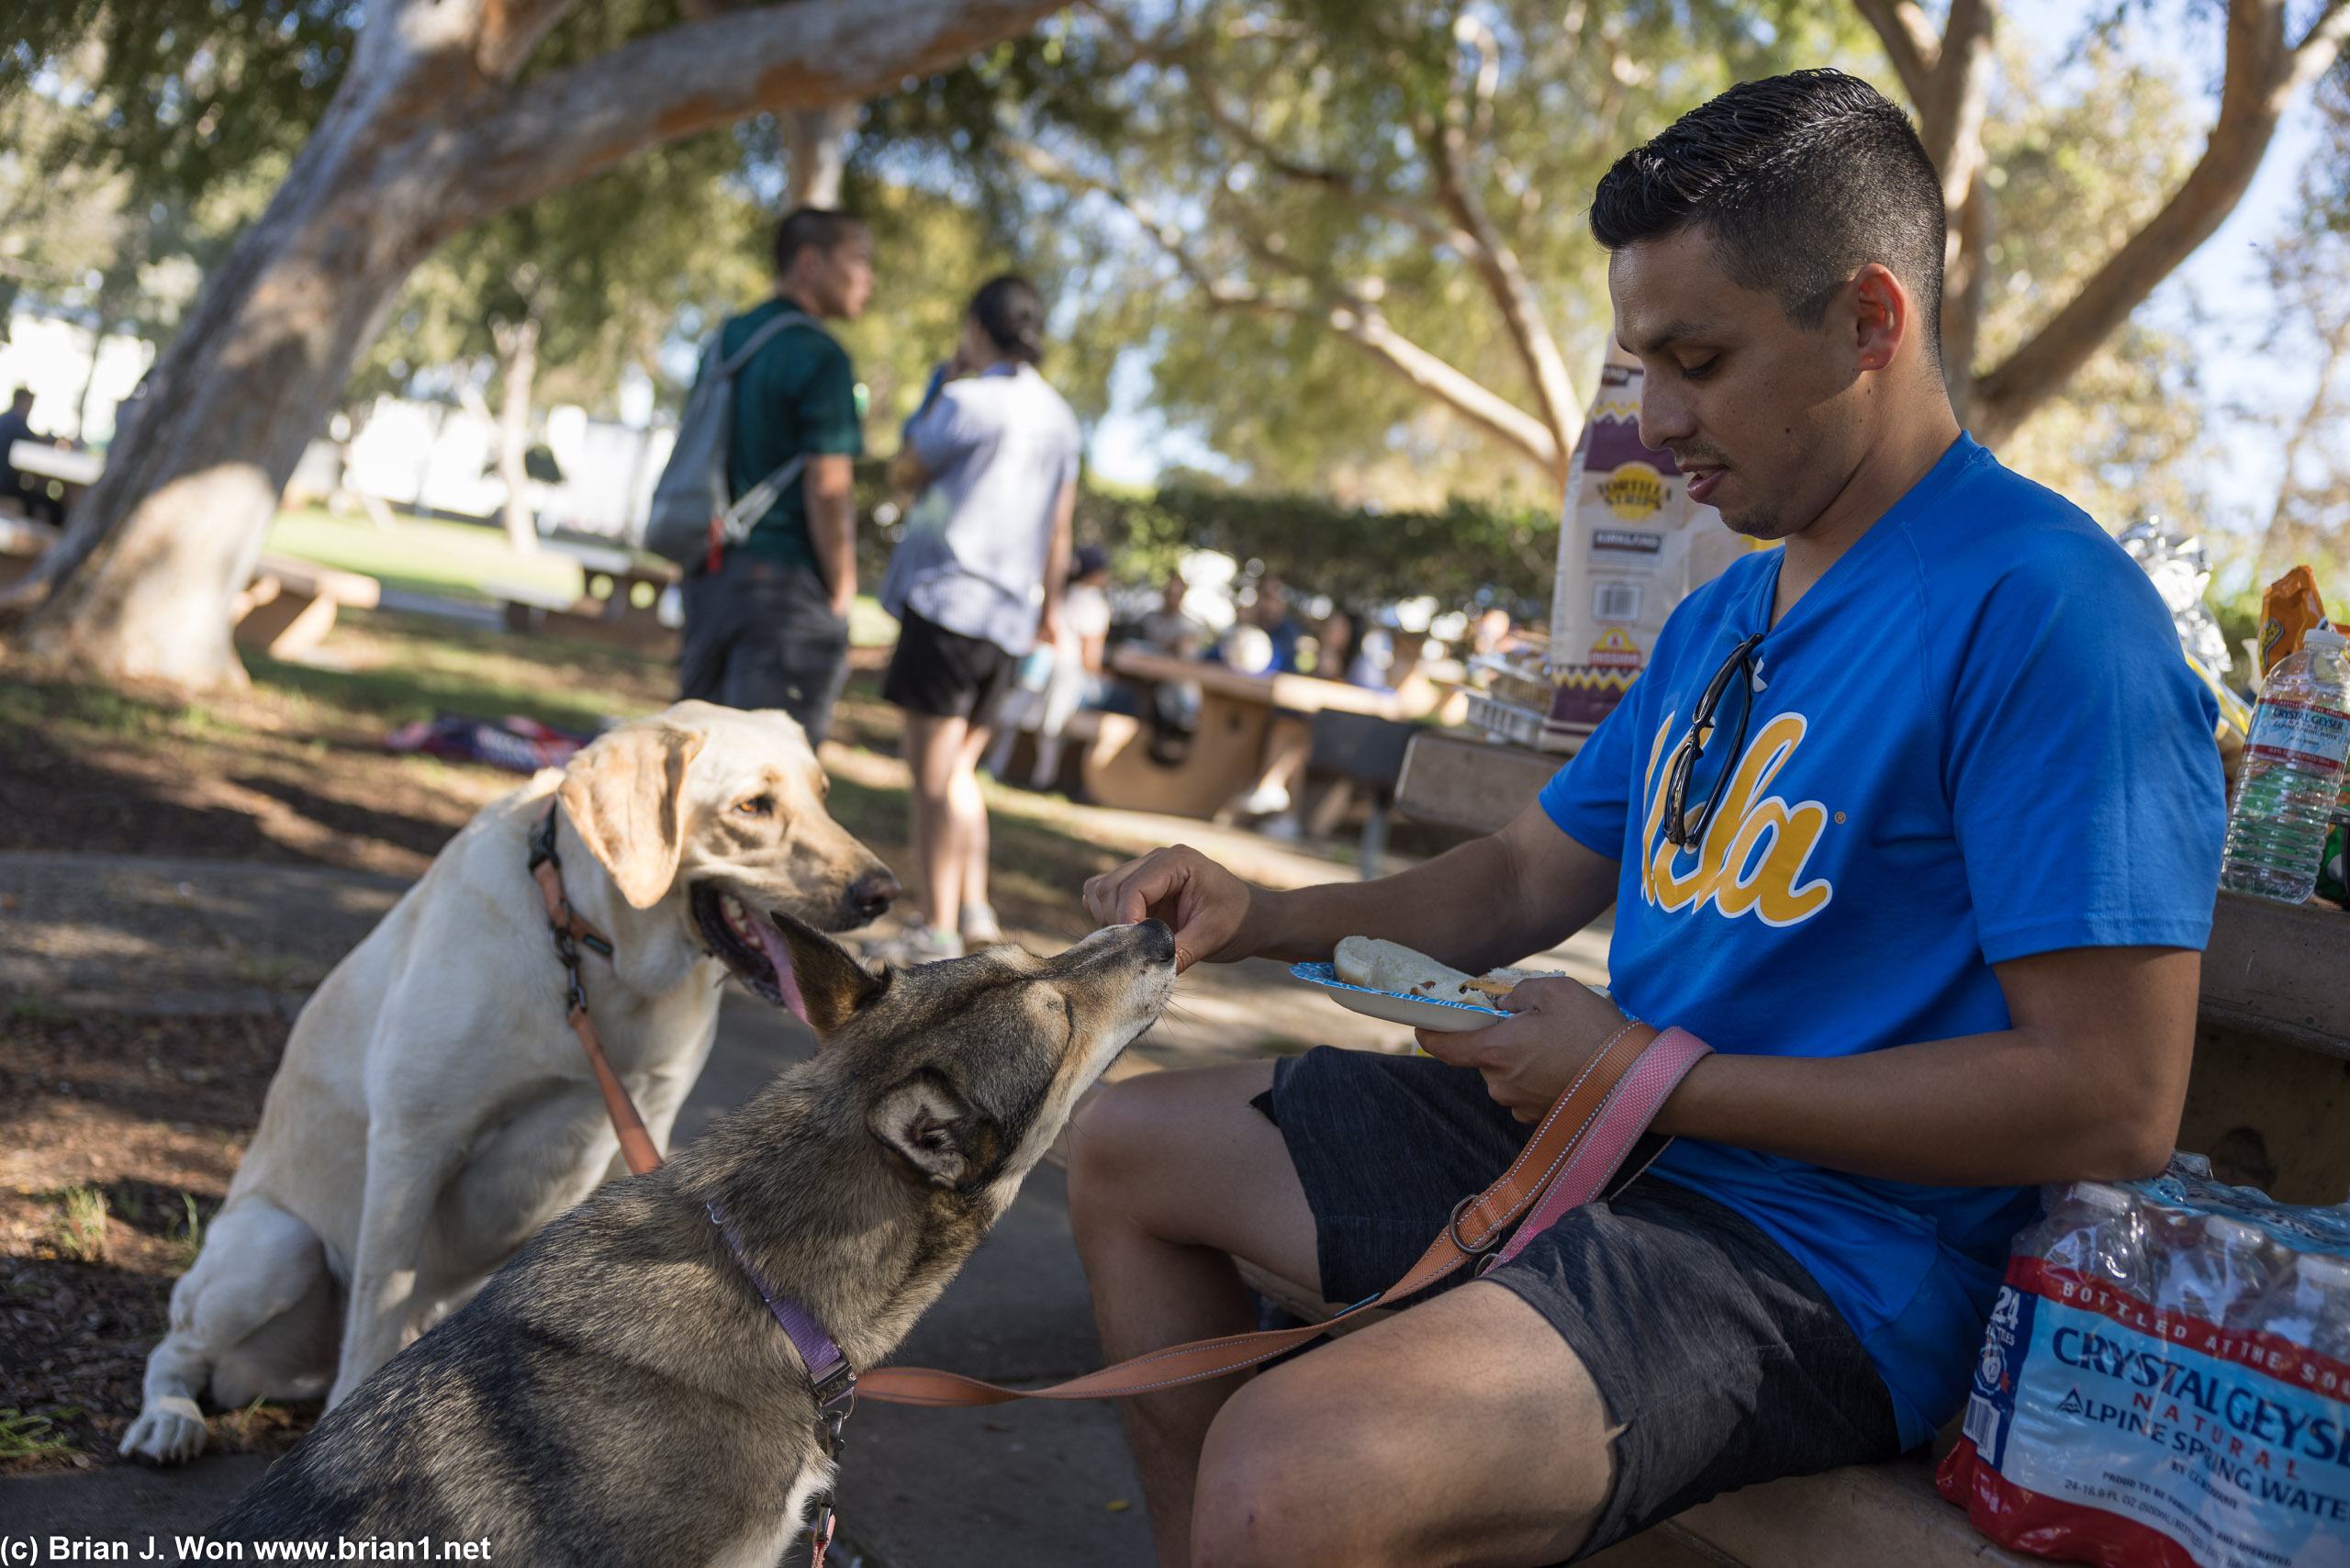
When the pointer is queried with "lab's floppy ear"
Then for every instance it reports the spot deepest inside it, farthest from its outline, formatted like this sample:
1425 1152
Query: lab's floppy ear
817 973
625 797
936 1136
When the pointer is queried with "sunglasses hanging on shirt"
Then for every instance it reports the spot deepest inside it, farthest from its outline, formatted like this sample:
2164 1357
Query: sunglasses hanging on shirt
1683 827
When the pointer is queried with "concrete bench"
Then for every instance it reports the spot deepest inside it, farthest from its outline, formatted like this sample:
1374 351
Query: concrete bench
291 604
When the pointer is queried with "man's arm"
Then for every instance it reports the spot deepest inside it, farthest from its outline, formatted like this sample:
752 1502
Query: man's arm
1492 900
830 500
2086 1085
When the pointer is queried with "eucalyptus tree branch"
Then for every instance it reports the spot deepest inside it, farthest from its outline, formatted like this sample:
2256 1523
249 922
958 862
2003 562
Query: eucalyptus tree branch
699 76
1348 312
510 31
2262 71
1497 265
1241 127
1908 39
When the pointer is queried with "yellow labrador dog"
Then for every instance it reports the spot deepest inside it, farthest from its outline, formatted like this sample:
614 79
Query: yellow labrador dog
435 1109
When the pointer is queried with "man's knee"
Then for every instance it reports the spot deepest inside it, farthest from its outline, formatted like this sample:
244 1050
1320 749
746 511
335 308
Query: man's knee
1114 1140
1280 1478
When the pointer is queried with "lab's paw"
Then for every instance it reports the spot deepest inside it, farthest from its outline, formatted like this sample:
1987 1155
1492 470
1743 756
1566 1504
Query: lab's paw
169 1431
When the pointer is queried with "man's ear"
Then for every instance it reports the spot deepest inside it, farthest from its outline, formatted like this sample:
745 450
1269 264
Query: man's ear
830 985
623 794
936 1136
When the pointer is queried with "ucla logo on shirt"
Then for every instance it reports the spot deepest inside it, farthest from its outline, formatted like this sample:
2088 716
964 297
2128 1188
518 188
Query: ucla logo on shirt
1756 846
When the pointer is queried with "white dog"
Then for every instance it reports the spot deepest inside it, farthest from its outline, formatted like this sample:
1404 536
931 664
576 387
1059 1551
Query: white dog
434 1108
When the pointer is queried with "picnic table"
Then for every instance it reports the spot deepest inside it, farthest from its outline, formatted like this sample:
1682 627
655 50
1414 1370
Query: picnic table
1227 749
621 604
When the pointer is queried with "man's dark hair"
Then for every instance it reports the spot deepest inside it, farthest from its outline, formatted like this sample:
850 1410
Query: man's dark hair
1010 312
21 394
1801 180
811 228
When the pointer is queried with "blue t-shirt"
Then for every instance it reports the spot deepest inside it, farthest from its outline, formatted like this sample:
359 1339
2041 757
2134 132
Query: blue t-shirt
1976 741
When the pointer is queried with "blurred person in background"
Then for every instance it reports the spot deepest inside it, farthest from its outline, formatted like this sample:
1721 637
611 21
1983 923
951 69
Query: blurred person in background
975 584
770 627
1075 681
1168 628
29 491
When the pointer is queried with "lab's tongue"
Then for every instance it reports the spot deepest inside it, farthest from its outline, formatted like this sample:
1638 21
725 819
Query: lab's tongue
779 955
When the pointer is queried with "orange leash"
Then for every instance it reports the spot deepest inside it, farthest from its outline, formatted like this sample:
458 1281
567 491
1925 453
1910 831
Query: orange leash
1579 1146
571 934
1587 1133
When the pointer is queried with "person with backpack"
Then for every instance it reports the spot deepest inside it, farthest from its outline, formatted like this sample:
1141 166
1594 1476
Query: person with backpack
756 501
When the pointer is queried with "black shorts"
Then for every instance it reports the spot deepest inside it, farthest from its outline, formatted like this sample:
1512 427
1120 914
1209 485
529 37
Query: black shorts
945 675
1719 1356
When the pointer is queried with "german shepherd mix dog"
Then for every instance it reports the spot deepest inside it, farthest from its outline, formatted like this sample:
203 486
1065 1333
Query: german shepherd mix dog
618 1392
434 1108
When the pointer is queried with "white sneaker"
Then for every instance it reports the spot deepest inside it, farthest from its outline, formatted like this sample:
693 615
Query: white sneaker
916 944
979 926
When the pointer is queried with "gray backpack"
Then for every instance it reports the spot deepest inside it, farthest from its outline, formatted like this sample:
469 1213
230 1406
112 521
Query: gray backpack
690 520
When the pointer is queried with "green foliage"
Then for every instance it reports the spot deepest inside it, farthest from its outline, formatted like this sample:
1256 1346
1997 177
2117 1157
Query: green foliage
1465 553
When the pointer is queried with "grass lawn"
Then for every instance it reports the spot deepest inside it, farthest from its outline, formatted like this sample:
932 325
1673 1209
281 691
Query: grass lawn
458 560
454 559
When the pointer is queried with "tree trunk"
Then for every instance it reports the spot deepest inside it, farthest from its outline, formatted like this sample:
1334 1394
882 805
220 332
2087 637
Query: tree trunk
518 352
815 155
427 134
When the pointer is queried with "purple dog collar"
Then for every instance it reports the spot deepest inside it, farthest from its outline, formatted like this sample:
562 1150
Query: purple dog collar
828 1369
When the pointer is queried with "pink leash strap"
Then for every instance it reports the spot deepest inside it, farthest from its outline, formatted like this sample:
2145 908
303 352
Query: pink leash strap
1628 1111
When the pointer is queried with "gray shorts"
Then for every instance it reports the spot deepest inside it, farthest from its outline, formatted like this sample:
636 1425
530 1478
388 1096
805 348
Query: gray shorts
1719 1356
763 634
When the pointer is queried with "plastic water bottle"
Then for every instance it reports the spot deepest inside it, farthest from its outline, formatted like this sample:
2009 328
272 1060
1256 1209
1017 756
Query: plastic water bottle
2216 1270
2309 1304
2096 1230
2292 774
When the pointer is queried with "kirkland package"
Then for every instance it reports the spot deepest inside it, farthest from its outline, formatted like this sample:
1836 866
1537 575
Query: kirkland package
1631 547
2165 1382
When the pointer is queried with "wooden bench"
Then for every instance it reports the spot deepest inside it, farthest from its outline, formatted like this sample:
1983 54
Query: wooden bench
291 604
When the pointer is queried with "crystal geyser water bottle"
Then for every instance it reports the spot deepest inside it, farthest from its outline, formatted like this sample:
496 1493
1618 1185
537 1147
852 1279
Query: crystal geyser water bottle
2292 773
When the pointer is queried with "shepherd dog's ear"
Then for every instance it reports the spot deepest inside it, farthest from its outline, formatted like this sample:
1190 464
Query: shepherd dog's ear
623 794
830 984
936 1138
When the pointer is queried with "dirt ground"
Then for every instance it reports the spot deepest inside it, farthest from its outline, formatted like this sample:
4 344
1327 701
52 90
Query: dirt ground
154 1113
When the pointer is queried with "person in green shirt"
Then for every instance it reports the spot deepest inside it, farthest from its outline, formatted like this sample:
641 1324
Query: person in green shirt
770 627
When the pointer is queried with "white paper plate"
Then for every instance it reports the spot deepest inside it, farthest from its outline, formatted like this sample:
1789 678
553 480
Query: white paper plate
1419 1012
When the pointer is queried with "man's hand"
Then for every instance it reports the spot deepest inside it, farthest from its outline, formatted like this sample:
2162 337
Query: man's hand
1203 903
1529 1059
843 596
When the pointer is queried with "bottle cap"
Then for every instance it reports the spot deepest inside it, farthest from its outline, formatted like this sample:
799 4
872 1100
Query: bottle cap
2324 637
2324 1270
2100 1195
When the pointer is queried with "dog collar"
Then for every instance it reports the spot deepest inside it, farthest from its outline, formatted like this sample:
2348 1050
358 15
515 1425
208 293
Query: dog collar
828 1368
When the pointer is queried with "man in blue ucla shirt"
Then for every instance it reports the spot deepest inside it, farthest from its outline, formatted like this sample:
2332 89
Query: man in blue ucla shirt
1914 819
